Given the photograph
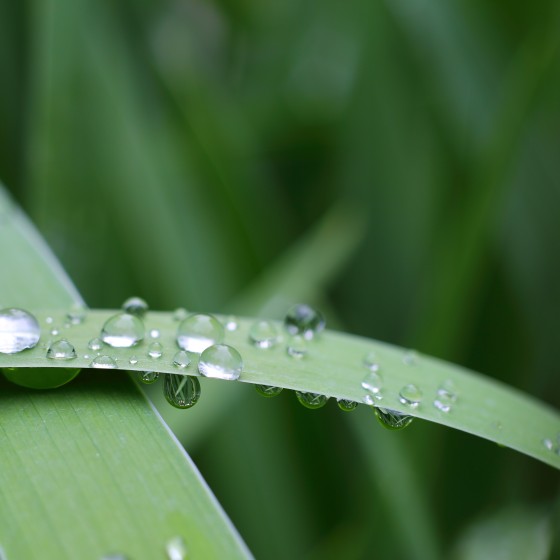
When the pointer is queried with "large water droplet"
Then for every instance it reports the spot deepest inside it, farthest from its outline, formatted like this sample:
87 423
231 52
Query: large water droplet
302 319
122 331
346 405
391 419
104 362
19 330
263 334
135 306
311 400
95 344
268 390
372 383
181 359
221 361
61 350
297 347
410 395
155 350
181 391
148 377
176 549
199 331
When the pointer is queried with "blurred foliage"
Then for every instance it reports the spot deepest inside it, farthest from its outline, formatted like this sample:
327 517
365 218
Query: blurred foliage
179 150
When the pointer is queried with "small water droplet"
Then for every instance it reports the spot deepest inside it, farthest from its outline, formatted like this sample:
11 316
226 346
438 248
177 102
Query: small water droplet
133 360
410 358
221 362
263 334
180 314
297 347
410 395
302 319
86 356
55 332
181 359
104 362
148 377
370 361
231 323
76 315
135 306
154 333
372 383
19 330
61 350
155 350
268 390
176 549
391 419
346 404
122 331
181 391
95 344
547 442
49 320
311 400
445 396
199 331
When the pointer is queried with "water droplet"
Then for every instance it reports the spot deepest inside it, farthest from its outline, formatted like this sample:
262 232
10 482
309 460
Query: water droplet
95 344
148 377
176 549
122 331
410 358
346 405
391 419
181 391
133 360
373 384
181 359
410 395
19 330
104 362
297 347
231 323
49 320
263 334
61 350
135 306
76 315
180 314
311 400
370 361
221 361
548 444
268 390
199 331
445 396
155 350
302 319
154 333
55 332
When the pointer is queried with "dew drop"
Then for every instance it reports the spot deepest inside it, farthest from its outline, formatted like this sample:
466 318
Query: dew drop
155 350
268 390
312 400
199 331
135 306
133 360
180 314
181 391
373 384
391 419
297 347
122 331
263 334
181 359
19 330
176 549
76 315
104 362
410 395
445 396
410 358
55 332
302 319
148 377
95 344
548 444
346 404
154 333
221 362
231 323
61 350
370 361
49 320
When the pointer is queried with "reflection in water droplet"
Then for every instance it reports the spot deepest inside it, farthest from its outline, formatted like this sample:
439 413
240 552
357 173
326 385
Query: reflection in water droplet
297 347
176 549
370 361
61 350
76 315
263 334
181 359
154 333
410 395
95 344
311 400
410 358
180 314
181 391
268 390
346 405
122 331
231 323
302 319
135 306
148 377
373 384
391 419
104 362
19 330
199 331
155 350
221 362
133 360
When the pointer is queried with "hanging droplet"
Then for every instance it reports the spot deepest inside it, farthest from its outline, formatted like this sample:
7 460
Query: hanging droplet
263 334
61 350
133 360
95 344
346 405
181 391
19 330
297 347
148 377
445 396
410 395
154 333
181 359
312 400
76 315
180 314
176 549
155 350
135 306
391 419
302 319
410 358
268 390
199 331
372 383
122 331
104 362
221 362
231 323
370 361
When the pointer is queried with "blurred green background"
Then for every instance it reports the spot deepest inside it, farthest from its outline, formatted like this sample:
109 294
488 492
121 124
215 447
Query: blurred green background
395 163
